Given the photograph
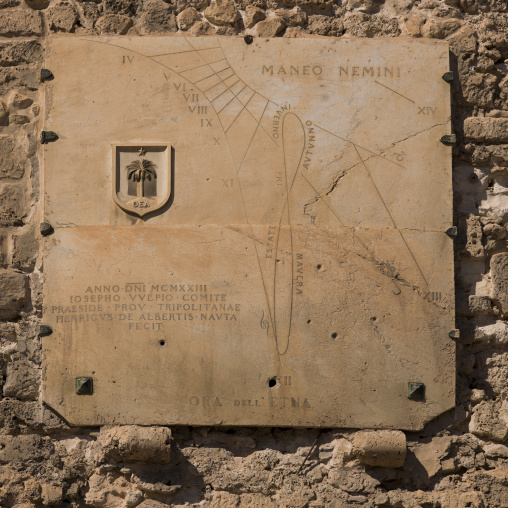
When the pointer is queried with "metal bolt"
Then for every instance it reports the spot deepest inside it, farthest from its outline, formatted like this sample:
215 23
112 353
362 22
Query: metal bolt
47 136
84 385
452 232
46 74
448 139
454 334
415 391
448 77
46 228
45 330
248 39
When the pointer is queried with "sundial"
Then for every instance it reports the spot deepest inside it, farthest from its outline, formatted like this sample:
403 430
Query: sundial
248 234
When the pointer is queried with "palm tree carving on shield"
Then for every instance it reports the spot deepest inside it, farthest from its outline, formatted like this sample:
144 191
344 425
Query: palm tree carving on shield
142 185
139 171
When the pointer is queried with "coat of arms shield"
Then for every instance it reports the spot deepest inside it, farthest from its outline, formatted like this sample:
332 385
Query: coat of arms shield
142 177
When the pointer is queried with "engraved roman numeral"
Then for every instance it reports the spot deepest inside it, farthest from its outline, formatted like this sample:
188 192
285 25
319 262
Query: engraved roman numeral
200 110
426 110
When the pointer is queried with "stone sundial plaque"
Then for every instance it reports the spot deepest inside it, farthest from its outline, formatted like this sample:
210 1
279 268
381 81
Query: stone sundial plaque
248 234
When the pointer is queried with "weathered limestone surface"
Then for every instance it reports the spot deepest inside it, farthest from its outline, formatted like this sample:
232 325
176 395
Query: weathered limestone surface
487 130
44 462
273 265
14 292
18 22
499 270
134 444
221 12
382 448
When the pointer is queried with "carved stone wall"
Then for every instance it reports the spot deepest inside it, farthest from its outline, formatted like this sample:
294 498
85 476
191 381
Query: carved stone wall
460 459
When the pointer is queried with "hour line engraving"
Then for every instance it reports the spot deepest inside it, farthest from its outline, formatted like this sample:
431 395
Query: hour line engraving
394 91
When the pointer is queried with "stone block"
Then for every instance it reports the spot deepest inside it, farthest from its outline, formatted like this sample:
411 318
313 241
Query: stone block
414 25
4 4
22 381
51 495
499 278
477 396
430 454
62 17
17 53
24 448
270 27
325 25
159 18
4 115
125 7
111 490
367 6
294 17
132 443
181 5
187 18
18 119
19 23
114 24
25 249
470 238
480 305
383 448
17 416
486 130
203 28
252 16
495 234
359 24
12 205
490 421
151 503
19 101
440 29
221 12
12 163
23 77
496 450
37 4
483 155
90 14
14 294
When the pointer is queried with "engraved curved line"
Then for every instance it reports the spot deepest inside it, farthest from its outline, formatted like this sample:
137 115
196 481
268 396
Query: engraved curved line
279 280
265 325
230 153
258 124
169 54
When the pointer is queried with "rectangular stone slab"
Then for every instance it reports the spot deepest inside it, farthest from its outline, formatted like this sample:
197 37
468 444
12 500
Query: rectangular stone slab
248 234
